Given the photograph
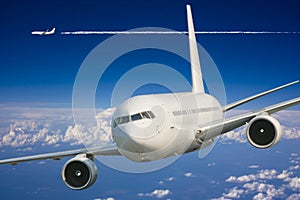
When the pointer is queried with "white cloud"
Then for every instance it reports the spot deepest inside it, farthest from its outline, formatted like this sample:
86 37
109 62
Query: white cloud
262 190
290 133
288 117
189 174
294 154
25 149
156 193
167 180
109 198
234 193
241 179
170 179
284 175
261 183
294 183
220 198
237 135
267 174
268 189
231 179
253 166
261 196
295 159
262 174
296 167
49 131
294 197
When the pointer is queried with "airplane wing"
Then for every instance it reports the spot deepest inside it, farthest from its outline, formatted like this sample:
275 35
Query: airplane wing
213 130
106 150
240 102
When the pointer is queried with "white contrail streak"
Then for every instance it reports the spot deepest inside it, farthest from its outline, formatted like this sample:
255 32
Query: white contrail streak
172 32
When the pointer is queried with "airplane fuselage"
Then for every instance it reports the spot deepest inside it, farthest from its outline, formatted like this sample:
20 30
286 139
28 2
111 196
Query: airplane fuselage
152 127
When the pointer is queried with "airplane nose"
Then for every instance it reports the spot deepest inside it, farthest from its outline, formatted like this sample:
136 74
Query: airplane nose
146 129
142 135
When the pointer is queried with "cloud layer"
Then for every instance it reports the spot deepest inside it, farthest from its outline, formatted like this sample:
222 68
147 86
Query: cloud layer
158 193
26 127
51 128
261 185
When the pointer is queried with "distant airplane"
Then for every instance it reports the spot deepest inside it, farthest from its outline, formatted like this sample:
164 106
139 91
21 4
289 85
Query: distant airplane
43 32
152 127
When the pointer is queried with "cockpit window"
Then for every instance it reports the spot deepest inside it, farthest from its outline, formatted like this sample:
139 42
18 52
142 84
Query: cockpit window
151 114
145 115
121 120
124 119
138 116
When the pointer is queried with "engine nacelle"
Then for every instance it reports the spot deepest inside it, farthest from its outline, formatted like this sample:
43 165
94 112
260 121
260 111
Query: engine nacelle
263 131
79 173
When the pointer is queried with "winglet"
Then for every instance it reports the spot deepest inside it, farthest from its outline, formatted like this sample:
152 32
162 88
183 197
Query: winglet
197 82
240 102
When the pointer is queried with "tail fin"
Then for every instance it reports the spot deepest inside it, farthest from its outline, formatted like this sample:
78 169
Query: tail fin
53 30
197 82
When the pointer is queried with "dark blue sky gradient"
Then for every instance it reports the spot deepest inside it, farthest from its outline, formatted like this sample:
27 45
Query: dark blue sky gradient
43 69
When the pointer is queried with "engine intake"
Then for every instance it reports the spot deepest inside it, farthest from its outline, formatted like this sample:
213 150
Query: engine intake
79 173
263 131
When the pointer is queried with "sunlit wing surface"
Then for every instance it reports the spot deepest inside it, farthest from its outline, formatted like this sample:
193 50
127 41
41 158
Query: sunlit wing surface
107 150
240 102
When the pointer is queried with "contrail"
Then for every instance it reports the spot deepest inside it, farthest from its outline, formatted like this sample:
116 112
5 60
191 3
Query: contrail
172 32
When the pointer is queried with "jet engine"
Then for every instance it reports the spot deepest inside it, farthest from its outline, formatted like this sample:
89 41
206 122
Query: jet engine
263 131
80 172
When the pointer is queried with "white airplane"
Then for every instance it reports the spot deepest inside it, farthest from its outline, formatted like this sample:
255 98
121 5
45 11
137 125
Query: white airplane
43 32
152 127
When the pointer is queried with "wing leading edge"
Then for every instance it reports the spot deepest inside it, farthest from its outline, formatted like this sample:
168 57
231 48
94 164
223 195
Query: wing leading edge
107 150
240 102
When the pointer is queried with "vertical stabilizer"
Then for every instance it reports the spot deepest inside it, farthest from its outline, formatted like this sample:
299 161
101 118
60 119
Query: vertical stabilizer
197 82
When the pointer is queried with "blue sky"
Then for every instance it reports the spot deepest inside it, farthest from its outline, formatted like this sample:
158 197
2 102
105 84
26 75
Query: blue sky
43 69
38 73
